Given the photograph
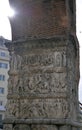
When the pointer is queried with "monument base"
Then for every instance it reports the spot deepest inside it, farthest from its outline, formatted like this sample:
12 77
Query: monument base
41 124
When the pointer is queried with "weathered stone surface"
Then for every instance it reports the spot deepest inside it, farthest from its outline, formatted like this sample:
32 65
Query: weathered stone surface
65 128
44 127
44 66
8 127
74 128
42 80
22 127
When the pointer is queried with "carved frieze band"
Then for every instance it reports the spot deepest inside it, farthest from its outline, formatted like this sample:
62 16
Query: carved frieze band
48 108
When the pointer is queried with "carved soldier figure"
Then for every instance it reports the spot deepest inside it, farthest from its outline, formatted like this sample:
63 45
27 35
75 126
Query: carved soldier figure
15 61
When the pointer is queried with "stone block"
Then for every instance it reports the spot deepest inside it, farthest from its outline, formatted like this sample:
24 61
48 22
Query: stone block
8 127
44 127
65 127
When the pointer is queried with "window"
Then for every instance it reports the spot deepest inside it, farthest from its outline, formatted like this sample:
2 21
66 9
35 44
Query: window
1 122
0 117
2 77
3 54
1 90
3 65
1 103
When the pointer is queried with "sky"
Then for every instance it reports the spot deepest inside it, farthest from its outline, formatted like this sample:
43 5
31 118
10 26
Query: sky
5 12
5 29
79 35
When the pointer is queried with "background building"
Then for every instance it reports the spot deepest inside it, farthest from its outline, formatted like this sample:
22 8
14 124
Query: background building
4 67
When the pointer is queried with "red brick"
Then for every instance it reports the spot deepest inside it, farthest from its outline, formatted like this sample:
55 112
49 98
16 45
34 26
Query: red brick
39 18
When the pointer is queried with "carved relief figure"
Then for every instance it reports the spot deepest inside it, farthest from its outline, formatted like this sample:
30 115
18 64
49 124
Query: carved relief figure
58 58
12 84
13 107
15 62
44 108
43 83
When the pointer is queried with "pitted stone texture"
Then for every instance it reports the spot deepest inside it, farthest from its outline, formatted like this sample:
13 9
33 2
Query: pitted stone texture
8 127
44 65
44 127
65 127
40 79
22 127
74 128
42 82
49 108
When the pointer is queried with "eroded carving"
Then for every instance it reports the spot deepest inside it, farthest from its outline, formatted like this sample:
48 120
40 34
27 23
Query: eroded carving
42 83
13 107
15 61
57 59
44 108
12 84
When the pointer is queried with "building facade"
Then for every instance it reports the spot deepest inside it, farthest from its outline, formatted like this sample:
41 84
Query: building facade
4 67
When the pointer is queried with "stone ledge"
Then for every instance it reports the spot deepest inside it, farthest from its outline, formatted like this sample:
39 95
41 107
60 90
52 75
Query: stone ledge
43 121
50 42
52 95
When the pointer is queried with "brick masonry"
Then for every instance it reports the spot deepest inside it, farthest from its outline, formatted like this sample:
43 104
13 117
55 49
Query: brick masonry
42 18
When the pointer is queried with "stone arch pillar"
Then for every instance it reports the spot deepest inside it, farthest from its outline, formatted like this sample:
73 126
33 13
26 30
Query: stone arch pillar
44 67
